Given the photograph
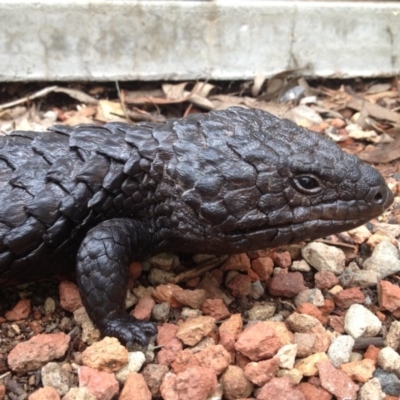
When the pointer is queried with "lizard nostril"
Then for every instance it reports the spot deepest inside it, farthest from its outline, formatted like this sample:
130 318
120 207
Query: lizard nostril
378 198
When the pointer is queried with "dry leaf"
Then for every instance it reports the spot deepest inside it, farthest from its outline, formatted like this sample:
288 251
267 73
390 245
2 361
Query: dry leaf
374 110
382 154
77 95
110 111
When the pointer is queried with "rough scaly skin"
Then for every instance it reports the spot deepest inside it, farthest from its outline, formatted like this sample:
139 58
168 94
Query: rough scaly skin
226 182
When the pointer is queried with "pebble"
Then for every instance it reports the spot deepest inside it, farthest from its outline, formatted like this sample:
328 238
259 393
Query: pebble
293 374
390 383
280 388
90 334
237 262
391 230
286 284
20 311
46 393
287 356
136 359
240 285
37 351
258 341
164 261
339 351
312 296
389 360
393 336
384 260
261 312
229 331
235 384
300 266
389 297
346 297
102 385
194 329
324 258
79 394
360 322
336 382
70 298
153 374
308 366
49 306
195 383
312 392
257 290
55 376
143 308
360 278
159 276
360 234
371 390
216 308
325 280
261 372
161 312
191 298
264 267
135 388
360 371
106 355
305 343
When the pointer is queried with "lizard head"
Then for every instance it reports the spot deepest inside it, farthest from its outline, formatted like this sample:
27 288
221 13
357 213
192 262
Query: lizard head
252 180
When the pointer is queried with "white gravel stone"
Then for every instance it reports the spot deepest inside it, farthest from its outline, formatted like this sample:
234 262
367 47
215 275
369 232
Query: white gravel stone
135 362
301 266
360 322
384 261
339 351
389 360
313 296
287 356
324 258
79 394
53 375
393 336
371 390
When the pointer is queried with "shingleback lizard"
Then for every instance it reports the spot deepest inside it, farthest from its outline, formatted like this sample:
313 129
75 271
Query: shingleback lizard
99 197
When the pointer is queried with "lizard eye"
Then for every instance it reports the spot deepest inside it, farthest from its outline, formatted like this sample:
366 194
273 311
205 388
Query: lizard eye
307 184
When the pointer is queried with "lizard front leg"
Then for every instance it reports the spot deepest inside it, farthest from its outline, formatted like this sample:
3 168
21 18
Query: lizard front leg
102 273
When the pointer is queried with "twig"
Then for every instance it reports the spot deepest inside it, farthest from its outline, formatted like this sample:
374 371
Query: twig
40 93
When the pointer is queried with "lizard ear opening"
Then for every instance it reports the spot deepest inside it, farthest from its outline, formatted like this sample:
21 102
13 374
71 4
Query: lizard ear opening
307 184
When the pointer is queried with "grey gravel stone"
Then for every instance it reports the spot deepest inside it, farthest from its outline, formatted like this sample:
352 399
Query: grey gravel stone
261 312
49 305
257 290
384 261
158 276
361 278
324 258
164 261
390 383
160 312
53 375
339 351
313 296
360 322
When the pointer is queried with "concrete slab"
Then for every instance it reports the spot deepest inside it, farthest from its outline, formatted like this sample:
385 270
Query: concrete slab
149 40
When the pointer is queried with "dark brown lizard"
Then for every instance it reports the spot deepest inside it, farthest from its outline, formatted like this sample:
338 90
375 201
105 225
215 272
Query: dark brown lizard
229 181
